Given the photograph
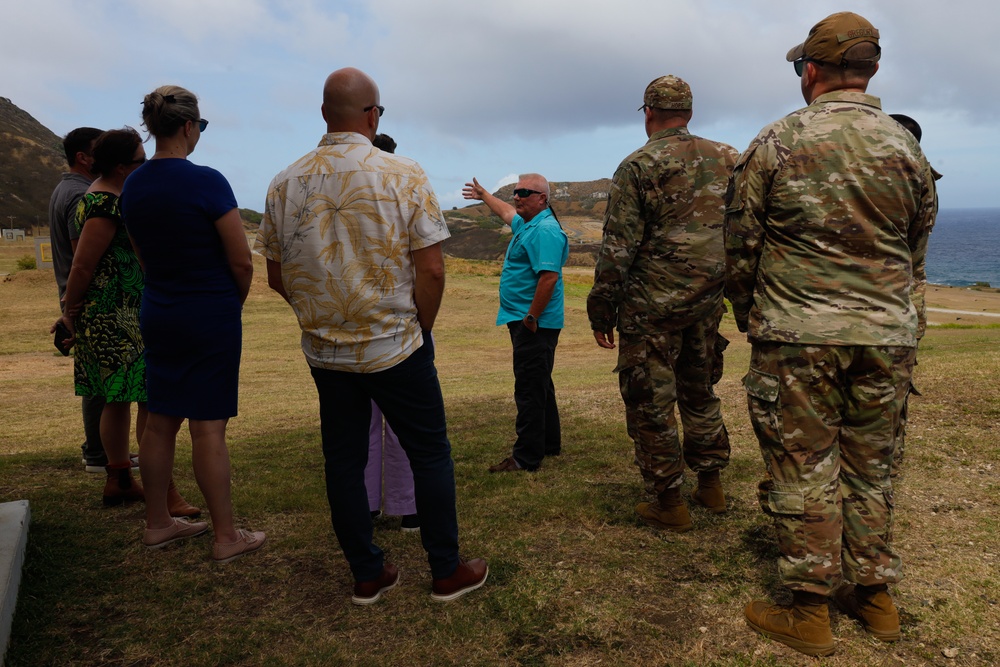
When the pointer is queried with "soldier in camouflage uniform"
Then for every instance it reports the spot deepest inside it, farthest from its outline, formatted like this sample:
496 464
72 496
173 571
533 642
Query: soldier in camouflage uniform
659 278
827 221
897 460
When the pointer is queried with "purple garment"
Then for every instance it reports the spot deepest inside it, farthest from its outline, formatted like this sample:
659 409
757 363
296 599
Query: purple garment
388 470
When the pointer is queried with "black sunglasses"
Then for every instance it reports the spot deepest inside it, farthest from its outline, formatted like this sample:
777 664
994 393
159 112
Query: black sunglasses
141 160
381 109
525 192
800 65
202 124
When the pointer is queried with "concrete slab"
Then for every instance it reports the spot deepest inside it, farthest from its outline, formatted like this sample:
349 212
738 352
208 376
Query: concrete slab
14 520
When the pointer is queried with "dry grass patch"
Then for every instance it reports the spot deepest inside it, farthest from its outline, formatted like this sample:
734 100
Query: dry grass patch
576 579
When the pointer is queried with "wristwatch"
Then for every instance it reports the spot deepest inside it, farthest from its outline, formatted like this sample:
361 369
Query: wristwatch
530 319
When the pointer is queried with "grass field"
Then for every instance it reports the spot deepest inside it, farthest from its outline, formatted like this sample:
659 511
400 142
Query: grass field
575 577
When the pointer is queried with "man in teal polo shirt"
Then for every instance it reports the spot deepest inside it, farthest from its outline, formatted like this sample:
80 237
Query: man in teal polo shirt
531 305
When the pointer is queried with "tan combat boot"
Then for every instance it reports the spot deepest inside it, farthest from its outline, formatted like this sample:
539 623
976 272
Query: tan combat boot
805 626
709 493
872 605
668 512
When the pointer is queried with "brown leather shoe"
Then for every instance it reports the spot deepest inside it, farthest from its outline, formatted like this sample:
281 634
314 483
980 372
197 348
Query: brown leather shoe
468 576
873 606
709 493
368 592
178 506
121 486
509 464
805 626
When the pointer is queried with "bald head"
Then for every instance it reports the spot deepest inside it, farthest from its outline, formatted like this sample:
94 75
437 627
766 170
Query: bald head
531 205
346 93
534 182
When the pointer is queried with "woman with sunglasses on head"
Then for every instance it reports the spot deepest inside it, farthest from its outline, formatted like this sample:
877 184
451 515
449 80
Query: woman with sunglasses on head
186 228
103 293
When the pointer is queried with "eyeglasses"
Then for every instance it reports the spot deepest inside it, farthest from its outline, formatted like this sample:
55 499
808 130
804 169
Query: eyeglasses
202 124
523 193
381 109
800 65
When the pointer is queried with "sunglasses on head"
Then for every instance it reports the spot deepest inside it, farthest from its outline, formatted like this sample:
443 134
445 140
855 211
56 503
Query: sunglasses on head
522 193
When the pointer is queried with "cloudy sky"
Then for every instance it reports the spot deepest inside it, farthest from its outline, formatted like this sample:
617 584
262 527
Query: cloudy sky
492 89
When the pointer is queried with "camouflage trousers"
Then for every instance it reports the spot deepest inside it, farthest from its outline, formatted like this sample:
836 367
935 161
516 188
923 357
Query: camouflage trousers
655 373
827 418
897 457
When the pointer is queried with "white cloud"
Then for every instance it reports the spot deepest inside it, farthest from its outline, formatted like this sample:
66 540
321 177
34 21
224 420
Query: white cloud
491 89
505 180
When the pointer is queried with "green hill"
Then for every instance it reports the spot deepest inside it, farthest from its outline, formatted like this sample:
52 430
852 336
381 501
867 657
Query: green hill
478 234
31 163
31 160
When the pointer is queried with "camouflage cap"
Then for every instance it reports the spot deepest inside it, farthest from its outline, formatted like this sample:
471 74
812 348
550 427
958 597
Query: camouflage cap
831 37
667 92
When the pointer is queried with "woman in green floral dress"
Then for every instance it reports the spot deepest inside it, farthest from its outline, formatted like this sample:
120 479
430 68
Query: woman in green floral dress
109 361
103 295
102 300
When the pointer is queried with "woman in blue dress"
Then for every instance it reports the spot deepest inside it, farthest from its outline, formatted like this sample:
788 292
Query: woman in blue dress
185 226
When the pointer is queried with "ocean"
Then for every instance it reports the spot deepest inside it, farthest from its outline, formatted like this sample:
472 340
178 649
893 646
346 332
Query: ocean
964 247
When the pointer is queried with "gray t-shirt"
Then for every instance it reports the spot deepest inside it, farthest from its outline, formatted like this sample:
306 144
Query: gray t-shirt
62 224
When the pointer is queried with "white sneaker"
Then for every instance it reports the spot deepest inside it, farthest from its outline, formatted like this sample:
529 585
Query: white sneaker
93 467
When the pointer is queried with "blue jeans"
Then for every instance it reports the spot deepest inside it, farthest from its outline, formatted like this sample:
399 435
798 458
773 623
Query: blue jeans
537 426
410 398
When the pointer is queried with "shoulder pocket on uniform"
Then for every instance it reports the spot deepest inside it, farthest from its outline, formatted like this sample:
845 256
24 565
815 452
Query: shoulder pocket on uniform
763 386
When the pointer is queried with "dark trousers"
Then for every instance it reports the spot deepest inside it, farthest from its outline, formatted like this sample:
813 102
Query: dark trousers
410 398
538 433
92 447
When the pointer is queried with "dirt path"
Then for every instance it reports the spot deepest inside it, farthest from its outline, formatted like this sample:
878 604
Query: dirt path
962 312
963 305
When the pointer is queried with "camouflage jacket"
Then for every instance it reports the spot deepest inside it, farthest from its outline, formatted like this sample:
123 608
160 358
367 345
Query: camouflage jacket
661 264
827 220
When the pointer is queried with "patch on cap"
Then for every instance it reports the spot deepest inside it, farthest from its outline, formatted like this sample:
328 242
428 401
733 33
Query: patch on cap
667 92
830 38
